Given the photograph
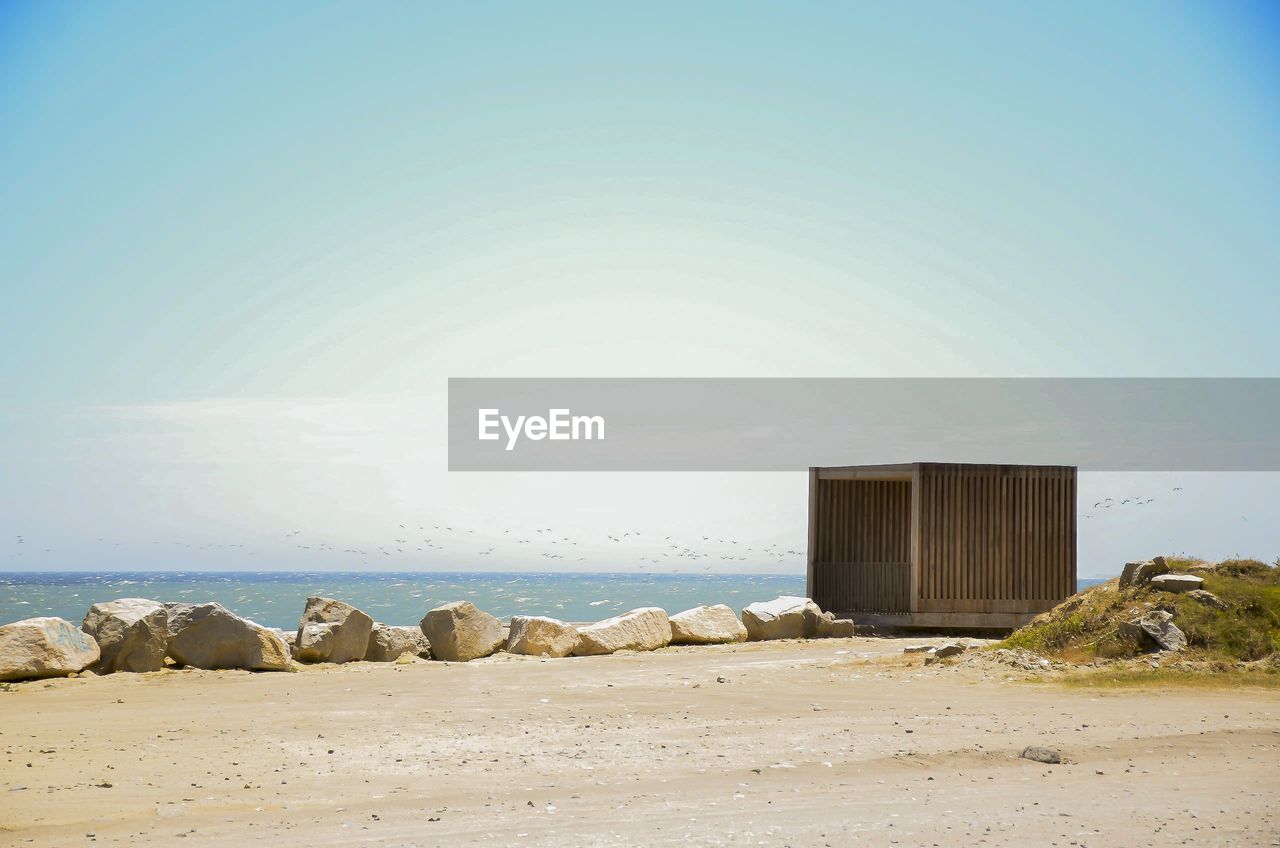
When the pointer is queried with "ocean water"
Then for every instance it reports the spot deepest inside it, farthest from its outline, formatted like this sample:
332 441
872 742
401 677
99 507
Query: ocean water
276 598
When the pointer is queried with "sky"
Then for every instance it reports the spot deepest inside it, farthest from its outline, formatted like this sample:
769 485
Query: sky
243 246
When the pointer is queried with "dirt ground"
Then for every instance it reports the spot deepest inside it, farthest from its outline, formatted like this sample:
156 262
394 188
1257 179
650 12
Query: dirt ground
832 742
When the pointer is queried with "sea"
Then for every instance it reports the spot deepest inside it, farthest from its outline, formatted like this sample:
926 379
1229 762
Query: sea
276 598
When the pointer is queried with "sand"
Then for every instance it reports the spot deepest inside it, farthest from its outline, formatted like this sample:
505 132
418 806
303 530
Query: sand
831 742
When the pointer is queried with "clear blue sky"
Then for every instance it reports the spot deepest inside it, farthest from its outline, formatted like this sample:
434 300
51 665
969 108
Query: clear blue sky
218 220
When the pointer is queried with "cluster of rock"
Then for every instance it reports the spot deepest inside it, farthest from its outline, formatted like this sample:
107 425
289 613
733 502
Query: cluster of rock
1154 573
140 635
1153 629
467 633
137 635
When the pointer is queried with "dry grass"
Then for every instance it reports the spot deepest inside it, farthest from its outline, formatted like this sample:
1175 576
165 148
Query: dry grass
1158 678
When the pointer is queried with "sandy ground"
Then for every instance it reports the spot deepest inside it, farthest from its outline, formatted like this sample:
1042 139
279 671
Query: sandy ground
834 742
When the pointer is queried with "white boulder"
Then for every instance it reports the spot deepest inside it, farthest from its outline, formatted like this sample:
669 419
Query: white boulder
1177 582
211 636
644 629
388 643
538 636
707 625
786 617
459 632
348 635
44 647
132 634
1155 629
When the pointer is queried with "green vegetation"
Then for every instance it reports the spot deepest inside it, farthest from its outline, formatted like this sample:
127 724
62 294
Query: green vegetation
1086 625
1250 629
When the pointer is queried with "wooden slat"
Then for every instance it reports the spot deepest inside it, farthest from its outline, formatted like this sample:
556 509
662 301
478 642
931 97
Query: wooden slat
879 587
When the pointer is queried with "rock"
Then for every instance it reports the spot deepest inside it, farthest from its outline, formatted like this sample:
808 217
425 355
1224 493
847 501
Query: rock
1129 571
44 647
289 637
1041 755
388 643
824 625
1208 599
782 618
643 629
843 628
348 637
951 649
459 632
707 625
312 643
132 634
1155 628
538 636
1176 582
917 649
1138 573
211 636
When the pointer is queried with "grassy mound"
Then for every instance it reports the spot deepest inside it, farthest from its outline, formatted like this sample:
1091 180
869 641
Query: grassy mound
1086 626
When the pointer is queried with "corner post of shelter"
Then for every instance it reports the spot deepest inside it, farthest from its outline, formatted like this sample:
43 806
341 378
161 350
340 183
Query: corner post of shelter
813 530
914 600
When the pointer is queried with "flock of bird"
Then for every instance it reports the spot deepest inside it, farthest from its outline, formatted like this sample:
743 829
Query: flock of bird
648 549
1108 503
425 544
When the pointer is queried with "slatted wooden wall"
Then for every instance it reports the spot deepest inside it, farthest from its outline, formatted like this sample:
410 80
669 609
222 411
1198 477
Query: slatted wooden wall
996 538
862 547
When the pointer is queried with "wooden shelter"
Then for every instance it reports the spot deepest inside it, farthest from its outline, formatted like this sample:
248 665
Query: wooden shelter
930 544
